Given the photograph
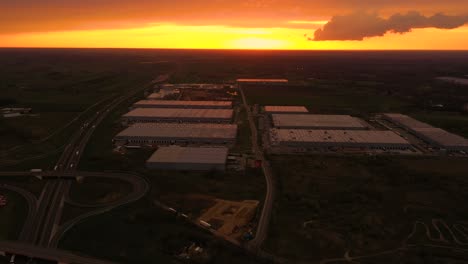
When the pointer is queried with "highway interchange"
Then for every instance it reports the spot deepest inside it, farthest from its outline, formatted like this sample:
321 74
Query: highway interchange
43 230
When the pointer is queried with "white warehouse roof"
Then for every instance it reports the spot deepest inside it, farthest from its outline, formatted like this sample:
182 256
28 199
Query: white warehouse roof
178 154
433 135
183 104
442 138
337 136
176 113
317 121
285 109
174 130
406 121
262 80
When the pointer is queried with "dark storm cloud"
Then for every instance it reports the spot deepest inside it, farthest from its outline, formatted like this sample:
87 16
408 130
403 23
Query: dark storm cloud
360 25
18 16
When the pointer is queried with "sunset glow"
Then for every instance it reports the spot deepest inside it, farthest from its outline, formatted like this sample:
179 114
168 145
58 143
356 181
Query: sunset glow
249 25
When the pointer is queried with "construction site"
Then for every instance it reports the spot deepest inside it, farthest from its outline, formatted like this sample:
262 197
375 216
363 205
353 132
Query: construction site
230 219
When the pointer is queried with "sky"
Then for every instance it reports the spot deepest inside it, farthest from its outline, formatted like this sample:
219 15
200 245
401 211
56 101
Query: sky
241 24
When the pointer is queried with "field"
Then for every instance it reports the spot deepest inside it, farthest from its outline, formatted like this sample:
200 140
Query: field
62 88
95 191
327 206
12 216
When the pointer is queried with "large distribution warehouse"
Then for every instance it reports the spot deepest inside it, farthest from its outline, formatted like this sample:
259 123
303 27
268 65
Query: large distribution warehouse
306 121
337 138
186 158
262 81
434 136
180 134
178 115
285 109
183 104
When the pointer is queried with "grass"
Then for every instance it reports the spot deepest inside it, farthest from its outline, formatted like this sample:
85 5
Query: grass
59 87
141 233
12 216
99 190
331 98
357 203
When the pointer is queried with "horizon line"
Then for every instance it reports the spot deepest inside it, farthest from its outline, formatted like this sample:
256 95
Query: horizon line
221 49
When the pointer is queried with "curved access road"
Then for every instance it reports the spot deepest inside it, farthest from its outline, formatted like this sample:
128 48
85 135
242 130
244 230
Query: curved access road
141 187
32 209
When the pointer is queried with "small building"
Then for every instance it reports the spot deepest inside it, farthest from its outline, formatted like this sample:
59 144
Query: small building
156 134
306 121
303 138
179 115
188 158
183 104
269 109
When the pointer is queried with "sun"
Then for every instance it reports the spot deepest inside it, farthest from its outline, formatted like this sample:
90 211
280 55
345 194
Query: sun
258 43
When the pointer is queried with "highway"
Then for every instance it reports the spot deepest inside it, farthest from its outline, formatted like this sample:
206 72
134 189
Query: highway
265 216
43 229
140 188
53 196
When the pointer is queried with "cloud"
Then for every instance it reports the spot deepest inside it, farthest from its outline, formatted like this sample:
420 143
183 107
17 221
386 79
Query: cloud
360 25
24 16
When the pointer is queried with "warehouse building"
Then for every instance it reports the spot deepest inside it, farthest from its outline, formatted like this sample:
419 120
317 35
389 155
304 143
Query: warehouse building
337 138
186 158
286 110
180 115
437 137
183 104
306 121
154 134
262 81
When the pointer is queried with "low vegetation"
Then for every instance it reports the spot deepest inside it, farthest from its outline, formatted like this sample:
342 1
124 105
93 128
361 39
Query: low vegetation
326 205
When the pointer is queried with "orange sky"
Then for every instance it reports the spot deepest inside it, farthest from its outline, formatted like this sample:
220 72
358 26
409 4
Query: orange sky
222 24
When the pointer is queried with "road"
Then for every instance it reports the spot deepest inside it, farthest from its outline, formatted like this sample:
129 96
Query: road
140 188
47 211
53 196
59 256
32 208
265 216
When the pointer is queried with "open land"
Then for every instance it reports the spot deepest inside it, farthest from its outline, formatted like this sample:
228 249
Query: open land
327 208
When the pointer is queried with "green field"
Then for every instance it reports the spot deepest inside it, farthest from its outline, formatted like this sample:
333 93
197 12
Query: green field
95 191
141 233
60 88
12 216
328 205
331 97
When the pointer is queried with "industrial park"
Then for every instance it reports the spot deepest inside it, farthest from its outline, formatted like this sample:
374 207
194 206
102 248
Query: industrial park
203 162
